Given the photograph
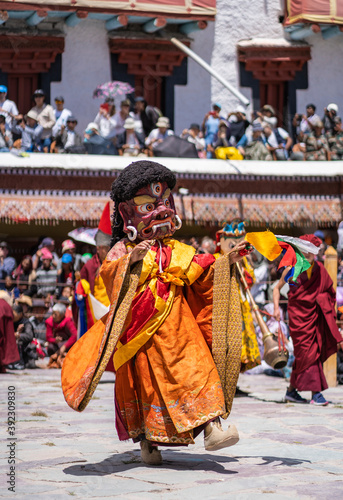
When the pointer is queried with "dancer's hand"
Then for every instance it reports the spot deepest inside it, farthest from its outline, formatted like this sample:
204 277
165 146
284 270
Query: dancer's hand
277 313
244 247
140 251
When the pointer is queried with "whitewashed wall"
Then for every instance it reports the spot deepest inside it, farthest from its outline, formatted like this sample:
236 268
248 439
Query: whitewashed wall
85 64
193 101
325 74
237 21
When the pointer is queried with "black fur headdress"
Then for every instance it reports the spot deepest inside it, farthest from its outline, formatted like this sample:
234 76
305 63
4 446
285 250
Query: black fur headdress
134 177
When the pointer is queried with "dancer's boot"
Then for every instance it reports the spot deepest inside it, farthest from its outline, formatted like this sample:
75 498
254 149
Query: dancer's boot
150 454
216 438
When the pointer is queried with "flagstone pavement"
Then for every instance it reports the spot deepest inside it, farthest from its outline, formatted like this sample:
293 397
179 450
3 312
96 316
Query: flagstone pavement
285 451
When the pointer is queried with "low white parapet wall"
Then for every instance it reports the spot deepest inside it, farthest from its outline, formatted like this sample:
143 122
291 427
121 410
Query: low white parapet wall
191 166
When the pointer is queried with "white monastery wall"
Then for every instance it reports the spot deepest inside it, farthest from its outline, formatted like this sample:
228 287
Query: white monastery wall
237 21
193 101
325 74
85 64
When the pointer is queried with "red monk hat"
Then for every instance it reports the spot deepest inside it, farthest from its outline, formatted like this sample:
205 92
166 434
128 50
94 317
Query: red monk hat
312 239
104 234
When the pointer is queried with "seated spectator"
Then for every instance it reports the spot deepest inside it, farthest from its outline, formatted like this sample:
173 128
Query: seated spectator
8 347
105 120
69 247
66 275
61 115
278 142
11 288
26 303
303 123
130 142
67 293
39 316
24 334
6 140
267 116
46 275
49 244
25 276
316 144
207 245
145 116
330 114
158 135
61 332
121 116
95 144
30 132
222 147
68 140
210 126
46 118
7 264
195 136
335 140
7 108
238 124
251 145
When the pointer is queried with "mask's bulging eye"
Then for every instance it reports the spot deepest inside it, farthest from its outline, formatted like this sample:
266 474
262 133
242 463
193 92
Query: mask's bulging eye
145 209
156 188
167 203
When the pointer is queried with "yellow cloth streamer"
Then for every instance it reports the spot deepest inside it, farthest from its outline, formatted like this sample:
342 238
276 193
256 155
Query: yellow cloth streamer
266 243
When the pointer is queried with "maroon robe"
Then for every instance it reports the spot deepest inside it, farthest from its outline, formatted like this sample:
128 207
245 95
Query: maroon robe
8 346
312 324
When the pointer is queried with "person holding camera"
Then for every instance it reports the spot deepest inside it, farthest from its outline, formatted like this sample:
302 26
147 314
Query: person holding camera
304 123
29 130
330 114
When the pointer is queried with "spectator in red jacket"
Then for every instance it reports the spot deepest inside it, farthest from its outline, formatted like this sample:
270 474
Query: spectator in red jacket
60 331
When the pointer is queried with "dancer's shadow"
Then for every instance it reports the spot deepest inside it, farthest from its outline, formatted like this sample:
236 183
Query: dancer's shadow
122 462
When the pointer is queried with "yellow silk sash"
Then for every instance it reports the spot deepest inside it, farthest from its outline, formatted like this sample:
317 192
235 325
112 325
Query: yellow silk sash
181 271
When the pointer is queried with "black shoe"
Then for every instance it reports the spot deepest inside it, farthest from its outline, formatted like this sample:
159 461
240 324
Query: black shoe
16 366
295 397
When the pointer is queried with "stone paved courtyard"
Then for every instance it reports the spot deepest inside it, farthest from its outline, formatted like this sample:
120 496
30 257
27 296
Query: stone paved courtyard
286 451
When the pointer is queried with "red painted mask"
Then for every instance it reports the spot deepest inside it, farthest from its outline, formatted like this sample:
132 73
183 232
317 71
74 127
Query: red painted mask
151 212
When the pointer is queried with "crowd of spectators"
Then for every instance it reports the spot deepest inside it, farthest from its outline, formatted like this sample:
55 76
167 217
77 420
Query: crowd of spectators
260 138
138 129
41 290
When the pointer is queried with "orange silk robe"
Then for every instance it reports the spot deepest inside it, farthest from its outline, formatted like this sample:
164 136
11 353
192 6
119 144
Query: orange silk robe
167 313
166 381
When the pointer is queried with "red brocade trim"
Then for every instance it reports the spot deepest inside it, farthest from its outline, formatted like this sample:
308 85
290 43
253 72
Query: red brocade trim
143 309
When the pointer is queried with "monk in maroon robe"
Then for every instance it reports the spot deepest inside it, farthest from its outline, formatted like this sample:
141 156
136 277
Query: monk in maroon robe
312 324
8 346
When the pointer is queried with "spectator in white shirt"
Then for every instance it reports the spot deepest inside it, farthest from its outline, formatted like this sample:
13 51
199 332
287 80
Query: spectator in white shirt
278 142
46 118
304 123
157 135
61 114
194 135
5 136
106 120
7 108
